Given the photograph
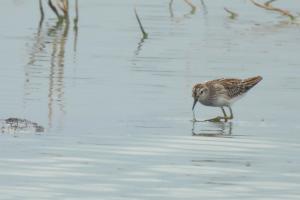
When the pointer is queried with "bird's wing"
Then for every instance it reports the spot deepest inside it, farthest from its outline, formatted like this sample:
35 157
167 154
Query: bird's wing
234 87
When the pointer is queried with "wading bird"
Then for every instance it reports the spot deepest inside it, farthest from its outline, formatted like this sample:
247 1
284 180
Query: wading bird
222 93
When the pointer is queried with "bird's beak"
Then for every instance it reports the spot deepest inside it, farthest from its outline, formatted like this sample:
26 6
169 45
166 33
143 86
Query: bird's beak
195 101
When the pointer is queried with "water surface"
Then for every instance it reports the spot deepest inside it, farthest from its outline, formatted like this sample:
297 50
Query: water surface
117 107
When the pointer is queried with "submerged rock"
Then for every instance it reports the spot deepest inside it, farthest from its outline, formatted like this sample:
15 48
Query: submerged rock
14 125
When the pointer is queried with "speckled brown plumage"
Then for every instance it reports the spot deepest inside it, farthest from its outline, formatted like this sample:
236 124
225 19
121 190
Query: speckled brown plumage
222 92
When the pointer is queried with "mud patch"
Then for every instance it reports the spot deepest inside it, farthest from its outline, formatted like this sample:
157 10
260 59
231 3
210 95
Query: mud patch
17 125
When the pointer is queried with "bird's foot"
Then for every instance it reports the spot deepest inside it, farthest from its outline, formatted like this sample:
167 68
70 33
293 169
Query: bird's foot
219 119
216 119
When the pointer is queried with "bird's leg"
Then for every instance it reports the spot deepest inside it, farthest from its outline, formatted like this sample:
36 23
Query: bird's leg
224 113
226 118
231 114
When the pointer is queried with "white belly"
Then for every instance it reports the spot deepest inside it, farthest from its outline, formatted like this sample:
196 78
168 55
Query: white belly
223 101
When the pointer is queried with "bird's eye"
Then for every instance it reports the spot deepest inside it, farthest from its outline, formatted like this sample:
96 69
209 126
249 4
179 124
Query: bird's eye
201 92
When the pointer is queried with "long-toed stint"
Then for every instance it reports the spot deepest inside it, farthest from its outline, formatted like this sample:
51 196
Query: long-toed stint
222 93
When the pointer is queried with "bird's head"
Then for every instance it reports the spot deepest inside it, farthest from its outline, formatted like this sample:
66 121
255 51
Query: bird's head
200 93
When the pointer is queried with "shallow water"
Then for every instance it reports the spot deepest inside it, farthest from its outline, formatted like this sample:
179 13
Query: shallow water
117 108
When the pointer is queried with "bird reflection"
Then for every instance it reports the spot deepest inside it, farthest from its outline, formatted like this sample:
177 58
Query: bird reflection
210 129
204 7
45 67
171 8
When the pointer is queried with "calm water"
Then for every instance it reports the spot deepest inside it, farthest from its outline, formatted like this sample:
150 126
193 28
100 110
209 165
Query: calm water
117 108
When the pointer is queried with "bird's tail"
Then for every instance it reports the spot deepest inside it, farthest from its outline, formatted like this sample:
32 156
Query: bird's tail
251 82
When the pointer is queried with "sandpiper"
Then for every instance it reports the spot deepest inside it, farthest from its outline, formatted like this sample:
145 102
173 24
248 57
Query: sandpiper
222 93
